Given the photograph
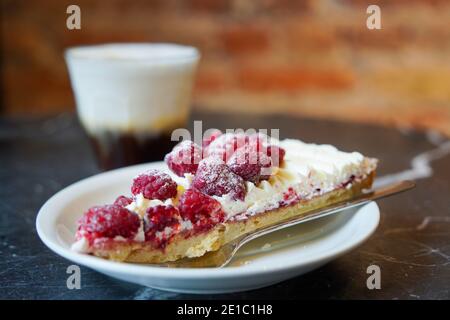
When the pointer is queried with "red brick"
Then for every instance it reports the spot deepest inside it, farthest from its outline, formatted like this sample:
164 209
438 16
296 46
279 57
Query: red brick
388 37
395 3
287 6
209 6
74 38
310 34
244 39
291 79
271 8
124 6
210 81
40 83
248 48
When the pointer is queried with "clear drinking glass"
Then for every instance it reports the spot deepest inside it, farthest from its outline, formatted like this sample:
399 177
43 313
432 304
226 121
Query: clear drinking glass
130 97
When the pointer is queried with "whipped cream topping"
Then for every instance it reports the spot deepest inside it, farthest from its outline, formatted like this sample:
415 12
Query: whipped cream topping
81 245
308 170
141 204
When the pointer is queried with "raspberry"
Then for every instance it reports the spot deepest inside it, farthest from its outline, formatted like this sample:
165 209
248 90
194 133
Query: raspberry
225 145
276 153
257 141
154 184
215 133
184 158
213 177
289 197
109 221
202 210
249 164
123 201
158 218
222 154
261 142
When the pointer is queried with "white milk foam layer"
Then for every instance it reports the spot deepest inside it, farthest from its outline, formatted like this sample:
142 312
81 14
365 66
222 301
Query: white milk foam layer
132 87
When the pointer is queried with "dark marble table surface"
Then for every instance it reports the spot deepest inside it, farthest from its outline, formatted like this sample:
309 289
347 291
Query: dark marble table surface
39 157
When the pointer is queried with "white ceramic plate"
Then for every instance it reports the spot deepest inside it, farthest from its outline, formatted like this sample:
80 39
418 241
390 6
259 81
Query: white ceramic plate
262 262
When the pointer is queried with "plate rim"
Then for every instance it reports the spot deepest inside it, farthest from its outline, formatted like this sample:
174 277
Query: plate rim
67 194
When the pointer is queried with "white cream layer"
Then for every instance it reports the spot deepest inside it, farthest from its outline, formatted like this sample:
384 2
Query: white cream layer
308 169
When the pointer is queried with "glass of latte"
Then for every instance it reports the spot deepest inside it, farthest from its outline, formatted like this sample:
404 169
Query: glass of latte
130 97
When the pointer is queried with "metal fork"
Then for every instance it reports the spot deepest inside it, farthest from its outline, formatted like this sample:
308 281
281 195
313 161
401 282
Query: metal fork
221 257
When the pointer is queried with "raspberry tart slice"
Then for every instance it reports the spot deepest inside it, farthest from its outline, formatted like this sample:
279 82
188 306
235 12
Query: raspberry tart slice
210 194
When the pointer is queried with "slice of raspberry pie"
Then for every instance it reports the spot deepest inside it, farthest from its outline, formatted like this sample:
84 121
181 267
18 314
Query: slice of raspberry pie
231 185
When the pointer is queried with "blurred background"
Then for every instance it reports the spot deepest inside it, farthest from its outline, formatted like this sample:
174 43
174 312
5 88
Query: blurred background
303 57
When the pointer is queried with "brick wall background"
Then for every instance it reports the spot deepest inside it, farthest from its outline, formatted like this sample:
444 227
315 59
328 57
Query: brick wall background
308 57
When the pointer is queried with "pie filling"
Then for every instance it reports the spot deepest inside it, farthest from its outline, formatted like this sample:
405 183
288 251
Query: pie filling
231 177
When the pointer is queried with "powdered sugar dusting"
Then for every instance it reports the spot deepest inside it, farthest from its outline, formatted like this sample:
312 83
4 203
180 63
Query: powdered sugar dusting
224 146
214 177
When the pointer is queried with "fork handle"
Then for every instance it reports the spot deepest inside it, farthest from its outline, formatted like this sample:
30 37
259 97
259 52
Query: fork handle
359 200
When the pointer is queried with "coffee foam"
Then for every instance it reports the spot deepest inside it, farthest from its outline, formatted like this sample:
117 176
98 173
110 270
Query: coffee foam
151 53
